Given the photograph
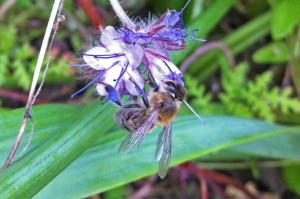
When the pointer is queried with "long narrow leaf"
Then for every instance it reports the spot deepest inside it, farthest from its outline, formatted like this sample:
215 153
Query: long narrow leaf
40 165
191 140
102 168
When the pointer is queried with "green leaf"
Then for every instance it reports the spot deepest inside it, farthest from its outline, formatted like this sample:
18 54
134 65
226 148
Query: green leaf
276 52
107 169
64 132
291 177
63 145
285 16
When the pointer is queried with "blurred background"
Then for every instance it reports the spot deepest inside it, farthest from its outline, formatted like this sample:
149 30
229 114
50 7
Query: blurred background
249 66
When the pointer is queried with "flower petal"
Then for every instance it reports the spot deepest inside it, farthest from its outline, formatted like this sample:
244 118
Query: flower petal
100 88
109 39
99 58
112 75
161 68
134 55
133 79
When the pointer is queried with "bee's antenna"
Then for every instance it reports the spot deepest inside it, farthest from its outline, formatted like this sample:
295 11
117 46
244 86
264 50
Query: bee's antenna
198 116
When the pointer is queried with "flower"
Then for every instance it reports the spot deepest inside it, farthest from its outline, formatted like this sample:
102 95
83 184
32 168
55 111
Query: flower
127 58
115 65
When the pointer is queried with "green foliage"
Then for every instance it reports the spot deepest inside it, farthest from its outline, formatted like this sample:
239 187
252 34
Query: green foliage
52 167
246 98
18 56
291 177
198 96
285 18
66 143
18 65
285 24
8 38
276 52
237 42
116 193
254 98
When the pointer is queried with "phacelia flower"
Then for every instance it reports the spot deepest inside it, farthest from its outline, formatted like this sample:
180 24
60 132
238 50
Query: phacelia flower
126 58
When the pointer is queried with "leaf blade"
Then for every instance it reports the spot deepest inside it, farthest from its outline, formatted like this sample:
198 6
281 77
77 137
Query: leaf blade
40 165
187 145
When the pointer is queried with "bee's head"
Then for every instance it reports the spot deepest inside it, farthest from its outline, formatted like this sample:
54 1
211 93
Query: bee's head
175 89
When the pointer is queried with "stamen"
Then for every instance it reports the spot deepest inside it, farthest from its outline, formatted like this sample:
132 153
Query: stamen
169 69
112 90
123 70
191 33
131 37
105 56
161 38
101 73
77 65
184 7
198 116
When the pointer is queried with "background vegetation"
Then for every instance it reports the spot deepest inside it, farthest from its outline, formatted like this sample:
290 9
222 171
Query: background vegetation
245 79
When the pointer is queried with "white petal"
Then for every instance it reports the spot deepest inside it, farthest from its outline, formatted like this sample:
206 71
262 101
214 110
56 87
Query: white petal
138 79
112 75
99 63
110 78
173 68
101 89
110 38
160 68
134 55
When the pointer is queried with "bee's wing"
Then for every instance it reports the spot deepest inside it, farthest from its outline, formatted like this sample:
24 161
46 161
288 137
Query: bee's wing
135 138
163 150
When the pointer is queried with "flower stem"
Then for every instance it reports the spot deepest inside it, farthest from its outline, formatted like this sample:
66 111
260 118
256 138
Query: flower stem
121 13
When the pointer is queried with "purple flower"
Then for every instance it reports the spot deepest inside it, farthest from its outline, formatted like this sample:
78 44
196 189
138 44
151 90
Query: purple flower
167 33
116 64
119 62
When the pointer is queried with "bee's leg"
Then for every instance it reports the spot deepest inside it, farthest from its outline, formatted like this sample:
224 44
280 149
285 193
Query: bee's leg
145 100
118 103
153 84
131 106
144 96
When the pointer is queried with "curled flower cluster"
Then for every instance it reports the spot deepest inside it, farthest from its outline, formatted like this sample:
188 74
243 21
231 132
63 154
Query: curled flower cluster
125 59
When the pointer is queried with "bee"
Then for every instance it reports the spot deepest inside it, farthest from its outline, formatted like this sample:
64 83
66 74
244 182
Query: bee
163 105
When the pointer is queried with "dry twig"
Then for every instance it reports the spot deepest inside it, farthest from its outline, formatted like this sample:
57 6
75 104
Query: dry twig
55 14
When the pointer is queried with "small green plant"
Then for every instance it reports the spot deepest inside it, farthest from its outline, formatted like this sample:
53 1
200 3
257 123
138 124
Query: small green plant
197 95
246 98
18 63
255 98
